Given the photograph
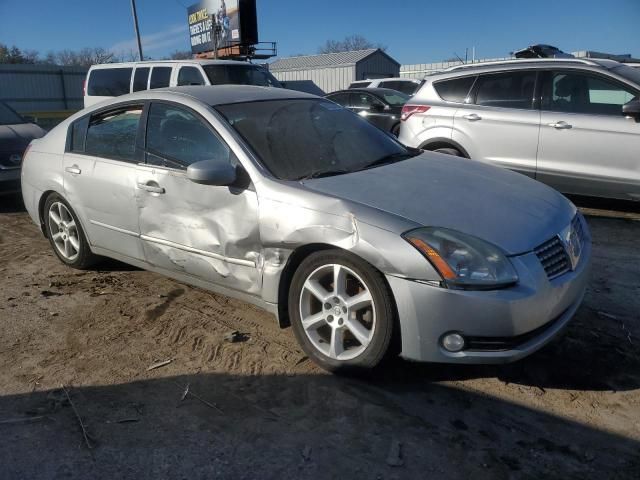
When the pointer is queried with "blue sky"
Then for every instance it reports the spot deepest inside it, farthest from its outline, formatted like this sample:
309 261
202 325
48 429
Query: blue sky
415 31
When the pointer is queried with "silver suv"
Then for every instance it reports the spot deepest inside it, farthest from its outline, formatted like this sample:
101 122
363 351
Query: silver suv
573 124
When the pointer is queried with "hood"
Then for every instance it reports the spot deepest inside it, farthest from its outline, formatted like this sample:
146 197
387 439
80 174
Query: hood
505 208
17 137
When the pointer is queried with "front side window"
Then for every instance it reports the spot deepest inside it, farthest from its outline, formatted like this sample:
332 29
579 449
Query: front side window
176 138
109 82
240 75
363 100
297 139
455 90
190 76
113 134
506 90
160 77
140 79
579 93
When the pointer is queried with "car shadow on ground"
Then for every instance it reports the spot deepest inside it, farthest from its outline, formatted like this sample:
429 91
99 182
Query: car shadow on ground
300 426
11 203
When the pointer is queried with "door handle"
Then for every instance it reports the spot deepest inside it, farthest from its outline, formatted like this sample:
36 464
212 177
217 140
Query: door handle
472 117
560 125
150 188
74 169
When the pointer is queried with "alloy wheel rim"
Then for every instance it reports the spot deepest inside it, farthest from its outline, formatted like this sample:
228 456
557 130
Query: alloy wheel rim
337 311
63 231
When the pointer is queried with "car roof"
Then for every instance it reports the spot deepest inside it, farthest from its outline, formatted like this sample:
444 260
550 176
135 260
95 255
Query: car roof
220 94
172 62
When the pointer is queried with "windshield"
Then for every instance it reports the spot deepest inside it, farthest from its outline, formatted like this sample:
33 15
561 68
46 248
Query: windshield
298 139
8 116
240 75
396 99
628 72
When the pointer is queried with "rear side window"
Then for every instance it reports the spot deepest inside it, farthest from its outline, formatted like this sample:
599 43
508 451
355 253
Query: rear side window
340 98
77 135
113 134
506 90
109 82
160 77
177 138
190 76
140 79
456 90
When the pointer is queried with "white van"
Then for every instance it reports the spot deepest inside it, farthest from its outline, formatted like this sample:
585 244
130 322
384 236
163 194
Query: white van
115 79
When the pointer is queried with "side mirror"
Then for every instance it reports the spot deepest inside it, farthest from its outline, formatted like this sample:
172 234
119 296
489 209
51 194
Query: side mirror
212 172
632 109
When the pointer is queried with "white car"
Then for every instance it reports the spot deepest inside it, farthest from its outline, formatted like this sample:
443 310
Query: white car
114 79
408 86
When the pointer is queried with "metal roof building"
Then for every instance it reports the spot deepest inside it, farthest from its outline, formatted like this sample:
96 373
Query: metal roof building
335 71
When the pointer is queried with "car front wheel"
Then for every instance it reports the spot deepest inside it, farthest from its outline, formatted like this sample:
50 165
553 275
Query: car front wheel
341 311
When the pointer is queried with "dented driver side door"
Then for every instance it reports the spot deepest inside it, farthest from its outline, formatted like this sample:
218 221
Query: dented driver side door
204 231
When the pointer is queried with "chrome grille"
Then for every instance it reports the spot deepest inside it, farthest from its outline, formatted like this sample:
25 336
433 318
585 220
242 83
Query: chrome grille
554 257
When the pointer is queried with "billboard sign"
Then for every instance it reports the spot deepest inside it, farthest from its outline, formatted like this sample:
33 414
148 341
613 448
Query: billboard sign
221 24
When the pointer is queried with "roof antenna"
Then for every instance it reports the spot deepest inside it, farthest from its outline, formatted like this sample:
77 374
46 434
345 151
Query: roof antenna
458 57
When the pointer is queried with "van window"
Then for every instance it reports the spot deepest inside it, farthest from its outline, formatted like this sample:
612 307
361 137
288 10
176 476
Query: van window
109 82
140 79
240 75
113 134
455 90
190 76
160 77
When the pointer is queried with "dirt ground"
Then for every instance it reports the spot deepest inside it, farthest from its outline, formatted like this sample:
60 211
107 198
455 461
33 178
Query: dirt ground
257 408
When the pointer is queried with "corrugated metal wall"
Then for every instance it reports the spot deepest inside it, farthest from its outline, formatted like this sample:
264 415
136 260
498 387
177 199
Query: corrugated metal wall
420 70
328 79
377 65
42 88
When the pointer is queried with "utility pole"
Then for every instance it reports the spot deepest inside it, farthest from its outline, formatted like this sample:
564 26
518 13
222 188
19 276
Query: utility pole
135 25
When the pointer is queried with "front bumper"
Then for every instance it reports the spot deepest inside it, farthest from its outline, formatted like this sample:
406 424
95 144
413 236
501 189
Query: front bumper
9 180
530 314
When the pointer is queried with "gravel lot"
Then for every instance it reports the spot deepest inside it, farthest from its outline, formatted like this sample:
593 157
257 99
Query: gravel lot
257 408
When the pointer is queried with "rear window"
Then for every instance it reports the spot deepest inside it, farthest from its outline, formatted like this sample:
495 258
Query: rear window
8 116
109 82
360 85
455 90
408 88
160 77
240 75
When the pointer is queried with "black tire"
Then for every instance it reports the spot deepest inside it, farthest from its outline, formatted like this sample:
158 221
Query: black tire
84 258
395 130
449 151
379 344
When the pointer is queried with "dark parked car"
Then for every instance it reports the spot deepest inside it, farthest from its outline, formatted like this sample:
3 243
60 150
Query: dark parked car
15 135
381 106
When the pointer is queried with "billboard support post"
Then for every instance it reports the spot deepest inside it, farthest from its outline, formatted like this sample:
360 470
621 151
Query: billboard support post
135 26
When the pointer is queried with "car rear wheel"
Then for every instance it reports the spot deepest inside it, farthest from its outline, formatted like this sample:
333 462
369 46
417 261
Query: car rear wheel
65 233
449 151
341 311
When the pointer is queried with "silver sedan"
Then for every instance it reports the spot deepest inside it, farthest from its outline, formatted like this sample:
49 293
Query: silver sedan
286 200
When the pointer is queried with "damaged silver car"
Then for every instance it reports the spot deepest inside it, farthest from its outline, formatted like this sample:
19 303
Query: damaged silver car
289 201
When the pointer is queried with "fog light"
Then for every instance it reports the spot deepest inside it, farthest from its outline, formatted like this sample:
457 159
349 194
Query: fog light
453 342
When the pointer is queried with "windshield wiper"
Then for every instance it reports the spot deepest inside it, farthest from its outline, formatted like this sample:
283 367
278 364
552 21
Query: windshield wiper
392 158
323 173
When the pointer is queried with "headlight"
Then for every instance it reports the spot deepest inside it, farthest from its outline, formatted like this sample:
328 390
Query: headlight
463 261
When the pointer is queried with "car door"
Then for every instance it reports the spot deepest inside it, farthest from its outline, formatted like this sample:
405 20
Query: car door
99 177
586 145
203 231
500 123
370 108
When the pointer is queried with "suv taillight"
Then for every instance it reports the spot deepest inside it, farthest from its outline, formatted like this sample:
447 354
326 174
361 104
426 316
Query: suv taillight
409 110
